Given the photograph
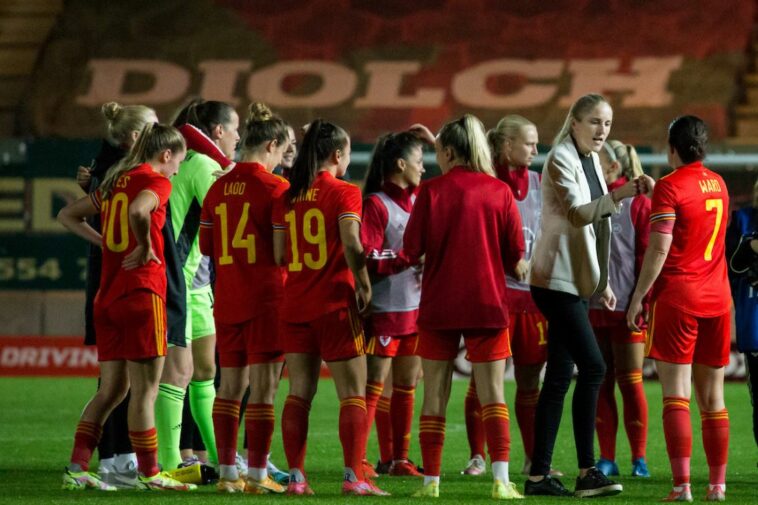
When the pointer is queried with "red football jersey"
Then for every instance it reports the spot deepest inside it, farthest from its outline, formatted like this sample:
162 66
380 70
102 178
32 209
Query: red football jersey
469 228
235 230
119 241
318 278
691 203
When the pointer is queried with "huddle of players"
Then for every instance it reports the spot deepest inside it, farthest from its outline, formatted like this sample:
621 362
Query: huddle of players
254 222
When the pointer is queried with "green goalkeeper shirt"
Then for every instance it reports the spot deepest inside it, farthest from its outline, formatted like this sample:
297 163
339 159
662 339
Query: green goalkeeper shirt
188 191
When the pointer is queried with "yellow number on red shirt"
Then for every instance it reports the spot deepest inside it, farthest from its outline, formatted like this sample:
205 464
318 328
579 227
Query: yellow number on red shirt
711 204
116 208
239 240
541 330
312 218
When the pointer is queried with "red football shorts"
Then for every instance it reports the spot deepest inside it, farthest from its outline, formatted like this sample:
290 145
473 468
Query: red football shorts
390 347
251 342
612 326
528 333
620 334
335 336
482 344
133 327
677 337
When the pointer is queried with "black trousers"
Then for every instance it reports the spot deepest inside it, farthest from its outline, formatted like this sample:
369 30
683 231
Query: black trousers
751 363
570 341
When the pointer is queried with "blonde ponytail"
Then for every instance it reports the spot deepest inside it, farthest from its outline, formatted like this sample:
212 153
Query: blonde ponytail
466 137
261 126
153 139
122 120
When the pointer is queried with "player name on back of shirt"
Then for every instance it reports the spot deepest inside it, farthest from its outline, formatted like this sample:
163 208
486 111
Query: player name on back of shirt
234 188
710 186
310 196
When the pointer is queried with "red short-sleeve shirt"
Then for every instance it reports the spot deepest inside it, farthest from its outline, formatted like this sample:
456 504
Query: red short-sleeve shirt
235 231
691 204
119 240
318 278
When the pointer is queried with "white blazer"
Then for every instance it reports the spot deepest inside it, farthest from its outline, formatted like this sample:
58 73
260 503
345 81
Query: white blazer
572 250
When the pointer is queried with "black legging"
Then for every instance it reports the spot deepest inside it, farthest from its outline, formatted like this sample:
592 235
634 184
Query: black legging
751 362
570 340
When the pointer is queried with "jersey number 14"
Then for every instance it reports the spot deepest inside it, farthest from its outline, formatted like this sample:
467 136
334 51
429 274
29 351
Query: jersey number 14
240 240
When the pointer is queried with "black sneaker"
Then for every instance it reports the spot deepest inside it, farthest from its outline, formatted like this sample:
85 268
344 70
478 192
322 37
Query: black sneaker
595 483
549 486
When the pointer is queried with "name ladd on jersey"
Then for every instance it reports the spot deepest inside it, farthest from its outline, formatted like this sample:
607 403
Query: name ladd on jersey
310 196
234 188
710 186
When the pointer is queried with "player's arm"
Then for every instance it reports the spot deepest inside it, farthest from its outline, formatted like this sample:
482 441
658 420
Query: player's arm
73 216
414 238
350 235
280 242
206 230
279 225
655 256
514 248
579 212
140 211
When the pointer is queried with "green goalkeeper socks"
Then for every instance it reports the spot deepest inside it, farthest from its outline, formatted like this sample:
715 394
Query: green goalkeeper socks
201 397
168 422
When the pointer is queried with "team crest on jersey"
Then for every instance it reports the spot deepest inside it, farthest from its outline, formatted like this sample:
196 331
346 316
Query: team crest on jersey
385 341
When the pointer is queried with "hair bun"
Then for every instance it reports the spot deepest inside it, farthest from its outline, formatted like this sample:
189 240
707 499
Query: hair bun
259 112
111 110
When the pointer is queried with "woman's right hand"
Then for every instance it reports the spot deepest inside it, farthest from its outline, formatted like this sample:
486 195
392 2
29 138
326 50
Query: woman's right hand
363 297
628 190
83 176
423 133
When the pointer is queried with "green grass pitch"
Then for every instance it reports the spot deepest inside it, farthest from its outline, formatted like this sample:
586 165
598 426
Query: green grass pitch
38 416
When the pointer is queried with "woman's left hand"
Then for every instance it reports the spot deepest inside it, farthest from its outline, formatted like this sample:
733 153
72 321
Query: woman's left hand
634 313
521 270
141 255
645 185
608 299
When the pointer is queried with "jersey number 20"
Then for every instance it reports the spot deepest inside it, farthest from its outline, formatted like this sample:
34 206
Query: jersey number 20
116 208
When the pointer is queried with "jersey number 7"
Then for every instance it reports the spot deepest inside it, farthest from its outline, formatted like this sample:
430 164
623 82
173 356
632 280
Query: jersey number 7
718 205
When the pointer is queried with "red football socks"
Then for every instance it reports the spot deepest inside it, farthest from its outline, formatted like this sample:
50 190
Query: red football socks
432 438
496 422
635 410
145 445
384 428
85 440
226 415
259 427
353 432
295 431
401 414
715 427
526 407
677 429
474 428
